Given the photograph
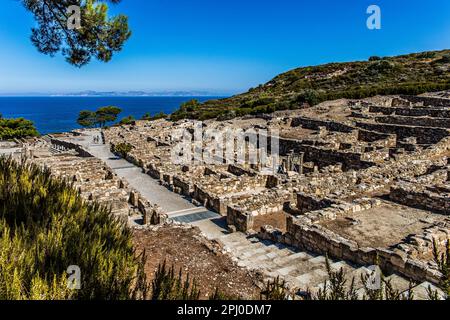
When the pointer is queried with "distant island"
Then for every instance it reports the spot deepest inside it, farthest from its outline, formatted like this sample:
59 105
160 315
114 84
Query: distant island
92 93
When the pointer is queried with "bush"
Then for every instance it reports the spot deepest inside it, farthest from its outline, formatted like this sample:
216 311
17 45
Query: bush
45 227
149 117
16 129
444 59
310 97
426 55
169 286
127 121
122 149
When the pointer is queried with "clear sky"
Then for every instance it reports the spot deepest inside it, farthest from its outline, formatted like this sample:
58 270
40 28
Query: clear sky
222 46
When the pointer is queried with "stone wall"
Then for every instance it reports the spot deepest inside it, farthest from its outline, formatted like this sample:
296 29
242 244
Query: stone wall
70 146
425 199
307 202
411 112
314 124
323 157
424 135
415 121
427 101
242 221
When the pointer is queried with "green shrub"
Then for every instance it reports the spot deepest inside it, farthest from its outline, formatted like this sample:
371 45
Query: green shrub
45 227
127 120
169 286
426 55
444 59
16 129
310 97
149 117
122 149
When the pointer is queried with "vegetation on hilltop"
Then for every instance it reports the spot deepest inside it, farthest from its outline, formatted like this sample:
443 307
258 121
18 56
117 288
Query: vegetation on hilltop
407 74
16 129
127 120
159 115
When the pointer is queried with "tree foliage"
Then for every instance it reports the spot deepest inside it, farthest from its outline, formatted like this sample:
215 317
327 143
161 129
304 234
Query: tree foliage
107 114
16 129
87 119
101 117
99 36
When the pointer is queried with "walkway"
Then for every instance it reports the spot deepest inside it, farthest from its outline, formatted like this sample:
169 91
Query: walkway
176 206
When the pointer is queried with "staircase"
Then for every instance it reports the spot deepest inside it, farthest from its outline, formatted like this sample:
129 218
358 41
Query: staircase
301 270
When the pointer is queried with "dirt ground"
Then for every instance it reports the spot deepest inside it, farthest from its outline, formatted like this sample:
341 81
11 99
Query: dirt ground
186 249
384 226
276 220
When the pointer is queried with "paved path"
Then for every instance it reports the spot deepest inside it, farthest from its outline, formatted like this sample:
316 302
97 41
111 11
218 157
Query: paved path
176 206
9 151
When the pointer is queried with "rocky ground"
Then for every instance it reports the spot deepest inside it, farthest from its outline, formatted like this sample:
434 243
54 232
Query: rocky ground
203 260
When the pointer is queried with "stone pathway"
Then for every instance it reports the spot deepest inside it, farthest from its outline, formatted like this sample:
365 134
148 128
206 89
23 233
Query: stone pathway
146 185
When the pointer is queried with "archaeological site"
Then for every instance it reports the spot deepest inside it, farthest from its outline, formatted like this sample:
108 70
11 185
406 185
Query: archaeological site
353 185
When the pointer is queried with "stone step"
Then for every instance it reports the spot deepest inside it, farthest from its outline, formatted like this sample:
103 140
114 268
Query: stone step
421 291
265 260
253 253
318 260
294 258
244 248
299 269
231 237
398 283
257 248
352 274
311 279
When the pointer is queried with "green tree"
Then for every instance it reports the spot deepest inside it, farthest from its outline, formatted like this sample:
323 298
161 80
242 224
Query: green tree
99 36
107 114
127 120
149 117
87 119
17 129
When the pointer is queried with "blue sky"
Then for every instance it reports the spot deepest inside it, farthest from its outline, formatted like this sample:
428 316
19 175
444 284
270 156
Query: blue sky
222 46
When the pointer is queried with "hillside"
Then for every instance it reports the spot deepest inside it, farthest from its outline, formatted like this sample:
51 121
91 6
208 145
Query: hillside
407 74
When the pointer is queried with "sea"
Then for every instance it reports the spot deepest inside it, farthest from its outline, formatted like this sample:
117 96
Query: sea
59 114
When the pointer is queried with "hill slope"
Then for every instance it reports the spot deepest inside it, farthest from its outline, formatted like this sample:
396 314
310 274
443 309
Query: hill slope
407 74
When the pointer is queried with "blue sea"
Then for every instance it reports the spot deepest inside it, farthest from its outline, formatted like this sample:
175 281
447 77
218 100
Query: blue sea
59 114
